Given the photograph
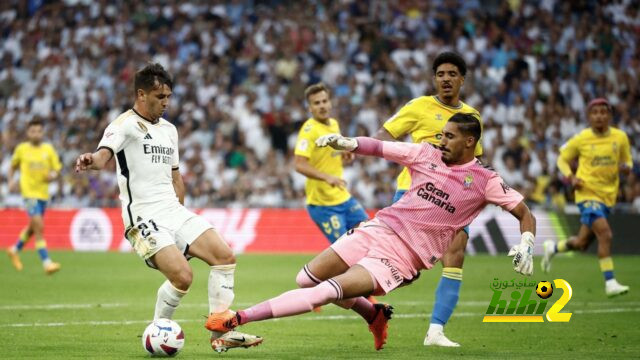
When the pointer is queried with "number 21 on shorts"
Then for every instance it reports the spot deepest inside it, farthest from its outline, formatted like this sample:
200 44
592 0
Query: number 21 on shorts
140 239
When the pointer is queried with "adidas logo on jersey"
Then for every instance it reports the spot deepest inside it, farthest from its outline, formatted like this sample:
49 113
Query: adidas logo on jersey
148 137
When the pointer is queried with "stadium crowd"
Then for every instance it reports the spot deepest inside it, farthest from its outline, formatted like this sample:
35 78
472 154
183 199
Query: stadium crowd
241 68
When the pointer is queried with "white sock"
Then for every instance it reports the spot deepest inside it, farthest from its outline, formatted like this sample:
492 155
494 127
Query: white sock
221 289
436 327
168 300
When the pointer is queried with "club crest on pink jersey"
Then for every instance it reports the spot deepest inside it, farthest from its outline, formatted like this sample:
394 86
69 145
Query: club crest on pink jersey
468 180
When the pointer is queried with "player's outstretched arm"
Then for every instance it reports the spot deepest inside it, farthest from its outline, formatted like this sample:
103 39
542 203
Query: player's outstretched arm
93 161
337 142
384 135
402 153
526 218
523 252
303 167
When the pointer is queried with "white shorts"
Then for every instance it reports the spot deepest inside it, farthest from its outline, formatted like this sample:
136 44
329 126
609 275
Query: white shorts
179 227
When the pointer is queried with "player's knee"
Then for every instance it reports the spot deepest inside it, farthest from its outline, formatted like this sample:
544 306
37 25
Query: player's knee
35 225
581 245
183 279
605 236
453 258
227 258
36 228
323 294
303 280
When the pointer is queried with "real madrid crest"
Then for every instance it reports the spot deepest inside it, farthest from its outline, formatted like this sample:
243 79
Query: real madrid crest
142 128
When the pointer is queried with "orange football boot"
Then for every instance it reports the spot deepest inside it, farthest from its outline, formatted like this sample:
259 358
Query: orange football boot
222 322
379 325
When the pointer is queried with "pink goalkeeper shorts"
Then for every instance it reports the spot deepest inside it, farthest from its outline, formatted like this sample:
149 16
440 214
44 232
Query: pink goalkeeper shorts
378 249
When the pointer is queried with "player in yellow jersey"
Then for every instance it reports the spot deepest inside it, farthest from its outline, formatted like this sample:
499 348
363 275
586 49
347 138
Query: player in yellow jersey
39 165
329 203
423 119
603 153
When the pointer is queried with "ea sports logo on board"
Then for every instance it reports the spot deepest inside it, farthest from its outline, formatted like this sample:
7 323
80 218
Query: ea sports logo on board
91 230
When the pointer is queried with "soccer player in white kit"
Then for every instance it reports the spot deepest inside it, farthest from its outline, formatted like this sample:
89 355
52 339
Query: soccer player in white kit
161 230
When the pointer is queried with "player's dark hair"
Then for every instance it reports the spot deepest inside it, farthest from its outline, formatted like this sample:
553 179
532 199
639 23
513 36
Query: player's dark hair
314 89
468 123
147 77
449 57
35 122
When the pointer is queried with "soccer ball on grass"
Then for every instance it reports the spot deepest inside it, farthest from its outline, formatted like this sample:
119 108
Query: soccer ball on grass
163 337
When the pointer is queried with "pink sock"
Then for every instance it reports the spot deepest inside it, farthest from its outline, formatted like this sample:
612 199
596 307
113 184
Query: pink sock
293 302
257 312
360 305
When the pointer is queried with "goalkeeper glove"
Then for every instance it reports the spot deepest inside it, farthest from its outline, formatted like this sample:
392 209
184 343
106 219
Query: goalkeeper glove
337 142
523 254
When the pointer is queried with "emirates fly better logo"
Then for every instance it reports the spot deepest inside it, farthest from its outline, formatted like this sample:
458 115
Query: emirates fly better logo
526 301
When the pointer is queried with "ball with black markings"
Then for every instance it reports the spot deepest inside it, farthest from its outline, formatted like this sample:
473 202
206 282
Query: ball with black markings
544 289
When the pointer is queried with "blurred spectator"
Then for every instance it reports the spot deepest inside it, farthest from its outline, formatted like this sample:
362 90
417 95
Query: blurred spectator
240 70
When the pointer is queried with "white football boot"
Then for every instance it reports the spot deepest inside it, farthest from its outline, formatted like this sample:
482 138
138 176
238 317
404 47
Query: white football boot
437 338
613 288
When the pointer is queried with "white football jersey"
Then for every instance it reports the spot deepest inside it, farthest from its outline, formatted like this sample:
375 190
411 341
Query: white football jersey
146 154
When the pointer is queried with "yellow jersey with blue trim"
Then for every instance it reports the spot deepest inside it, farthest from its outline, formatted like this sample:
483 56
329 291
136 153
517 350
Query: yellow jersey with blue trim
325 159
424 118
599 159
35 163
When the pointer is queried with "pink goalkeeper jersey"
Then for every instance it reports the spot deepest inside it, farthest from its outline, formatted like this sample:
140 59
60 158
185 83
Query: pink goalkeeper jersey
442 199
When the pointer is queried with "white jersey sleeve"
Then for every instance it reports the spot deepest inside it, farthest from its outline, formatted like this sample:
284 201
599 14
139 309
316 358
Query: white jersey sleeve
114 137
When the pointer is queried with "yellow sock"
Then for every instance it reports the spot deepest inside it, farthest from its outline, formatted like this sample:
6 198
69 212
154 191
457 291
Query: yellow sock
23 236
41 246
606 266
452 273
561 246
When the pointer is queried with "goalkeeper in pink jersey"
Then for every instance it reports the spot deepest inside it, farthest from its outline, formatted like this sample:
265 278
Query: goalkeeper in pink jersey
449 188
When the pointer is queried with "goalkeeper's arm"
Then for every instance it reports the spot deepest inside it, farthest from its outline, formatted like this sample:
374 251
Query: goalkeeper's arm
402 153
523 252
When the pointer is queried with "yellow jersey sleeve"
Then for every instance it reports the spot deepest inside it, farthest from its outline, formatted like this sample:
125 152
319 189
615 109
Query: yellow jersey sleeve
625 151
306 141
405 120
569 151
54 159
17 156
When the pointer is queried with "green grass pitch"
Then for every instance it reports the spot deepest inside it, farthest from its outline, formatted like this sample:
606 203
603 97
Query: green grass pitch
99 303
